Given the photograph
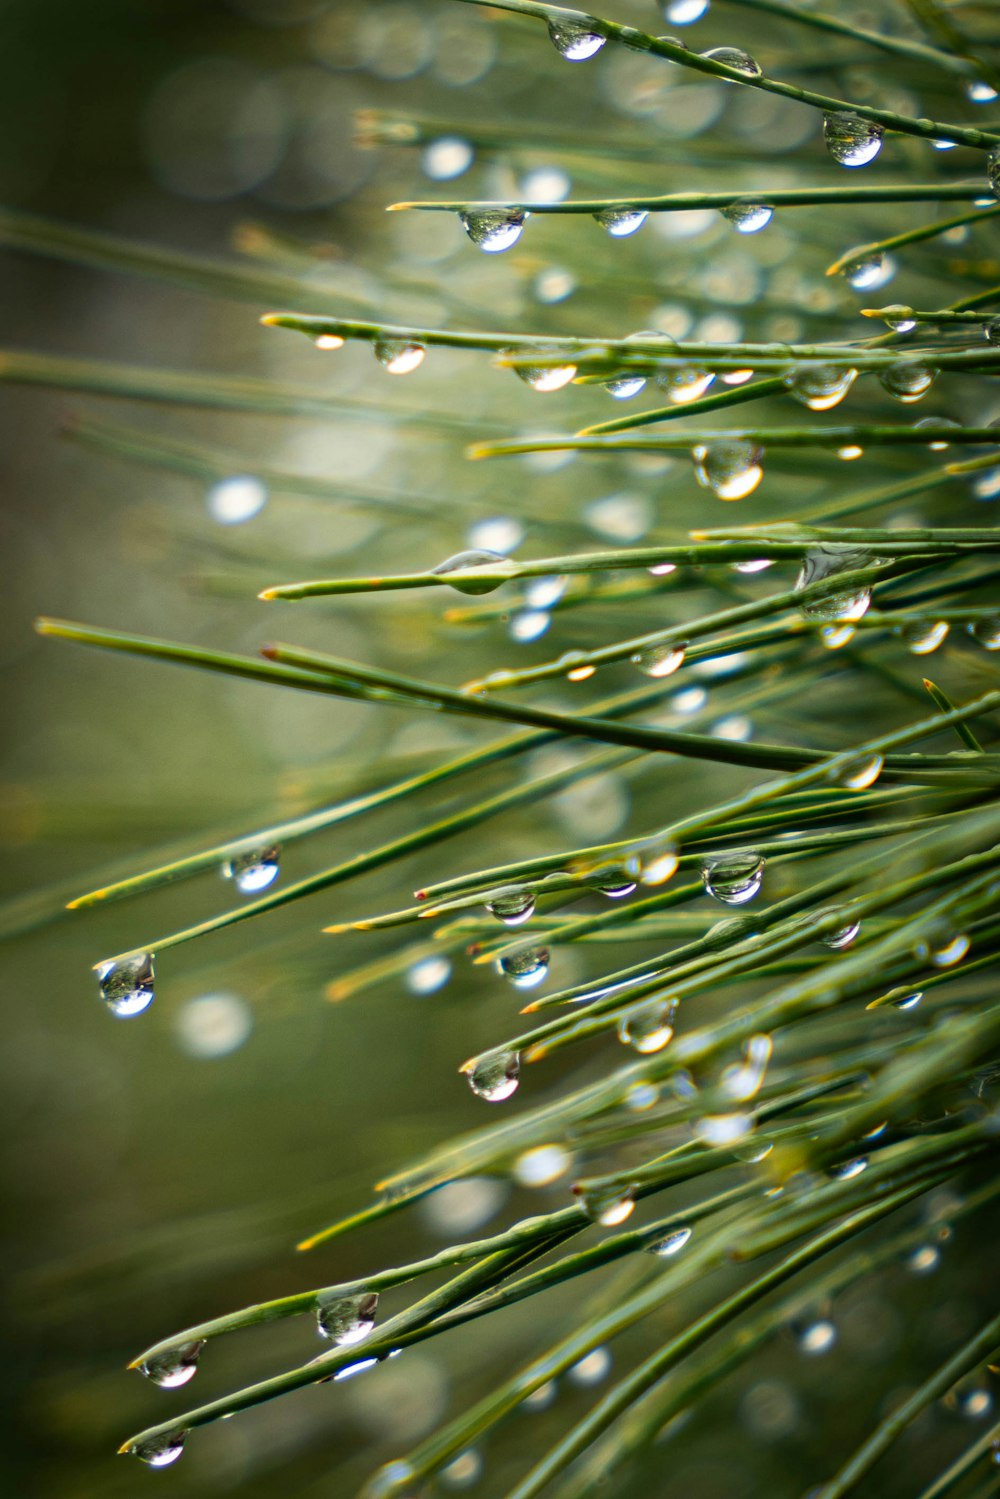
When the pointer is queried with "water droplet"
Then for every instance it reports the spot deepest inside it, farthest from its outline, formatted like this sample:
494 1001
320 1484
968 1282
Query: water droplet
447 157
346 1320
754 565
658 864
591 1369
546 378
625 387
908 1001
735 58
850 452
429 974
850 1169
970 1398
659 660
986 632
731 470
575 42
944 951
745 1079
498 534
907 381
387 1482
525 969
398 356
608 1207
671 1244
353 1369
684 386
529 624
723 1129
924 636
236 499
474 558
542 1398
923 1260
935 423
993 171
494 1076
641 1096
861 773
493 230
512 905
869 272
541 1165
843 937
463 1470
818 1338
826 562
648 1027
614 883
252 872
734 878
329 343
683 12
835 636
850 139
749 217
991 331
174 1366
621 222
978 91
127 986
160 1452
820 386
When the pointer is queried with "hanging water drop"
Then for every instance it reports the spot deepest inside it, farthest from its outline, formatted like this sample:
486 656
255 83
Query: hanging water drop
684 386
935 423
546 378
820 386
908 1001
160 1452
850 1169
835 636
648 1027
252 872
869 272
174 1366
735 58
608 1206
924 636
398 356
494 1076
683 12
943 947
575 42
659 863
512 905
842 937
850 139
861 773
907 381
525 969
625 387
734 878
745 1079
127 985
749 217
986 632
346 1320
826 561
978 91
621 222
493 229
731 470
475 558
659 660
671 1244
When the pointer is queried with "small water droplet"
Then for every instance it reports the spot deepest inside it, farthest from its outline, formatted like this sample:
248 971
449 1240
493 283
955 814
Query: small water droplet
512 905
614 883
986 632
346 1320
575 42
684 386
463 1470
546 378
625 387
621 222
723 1129
648 1027
329 342
389 1480
252 872
591 1369
734 878
525 969
820 386
671 1244
924 1260
542 1398
826 561
473 558
160 1452
127 986
745 1079
907 381
835 636
659 660
684 12
849 1169
541 1165
850 452
236 499
869 272
818 1338
447 157
978 91
861 773
731 470
608 1207
495 1075
735 58
924 636
850 139
908 1001
353 1369
754 565
174 1366
843 937
749 217
991 331
493 230
428 974
944 950
641 1096
398 356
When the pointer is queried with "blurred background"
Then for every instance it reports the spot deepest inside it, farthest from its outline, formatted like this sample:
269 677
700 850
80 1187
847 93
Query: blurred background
159 1173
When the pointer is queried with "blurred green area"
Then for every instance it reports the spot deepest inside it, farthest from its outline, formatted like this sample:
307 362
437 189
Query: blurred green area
159 1173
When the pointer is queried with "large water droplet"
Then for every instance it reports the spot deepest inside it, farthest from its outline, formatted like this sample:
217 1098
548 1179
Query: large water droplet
749 217
608 1206
127 986
174 1366
869 272
525 969
850 139
735 58
512 905
924 636
494 1076
734 878
398 355
545 378
731 470
826 561
842 937
621 222
254 871
160 1452
575 42
474 558
493 229
648 1027
986 632
346 1320
658 660
861 773
820 386
671 1244
907 381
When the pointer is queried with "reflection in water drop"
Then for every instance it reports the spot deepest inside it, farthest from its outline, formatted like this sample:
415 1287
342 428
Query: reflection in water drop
924 636
525 969
869 272
473 558
658 660
621 222
541 1165
512 905
671 1244
608 1206
749 217
731 470
820 386
648 1027
986 632
346 1320
826 561
252 872
127 986
850 1169
907 381
861 773
745 1079
734 878
843 937
174 1366
398 356
160 1452
684 386
463 1470
494 1076
546 378
723 1129
575 42
683 12
850 139
735 58
625 387
493 230
978 91
592 1368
